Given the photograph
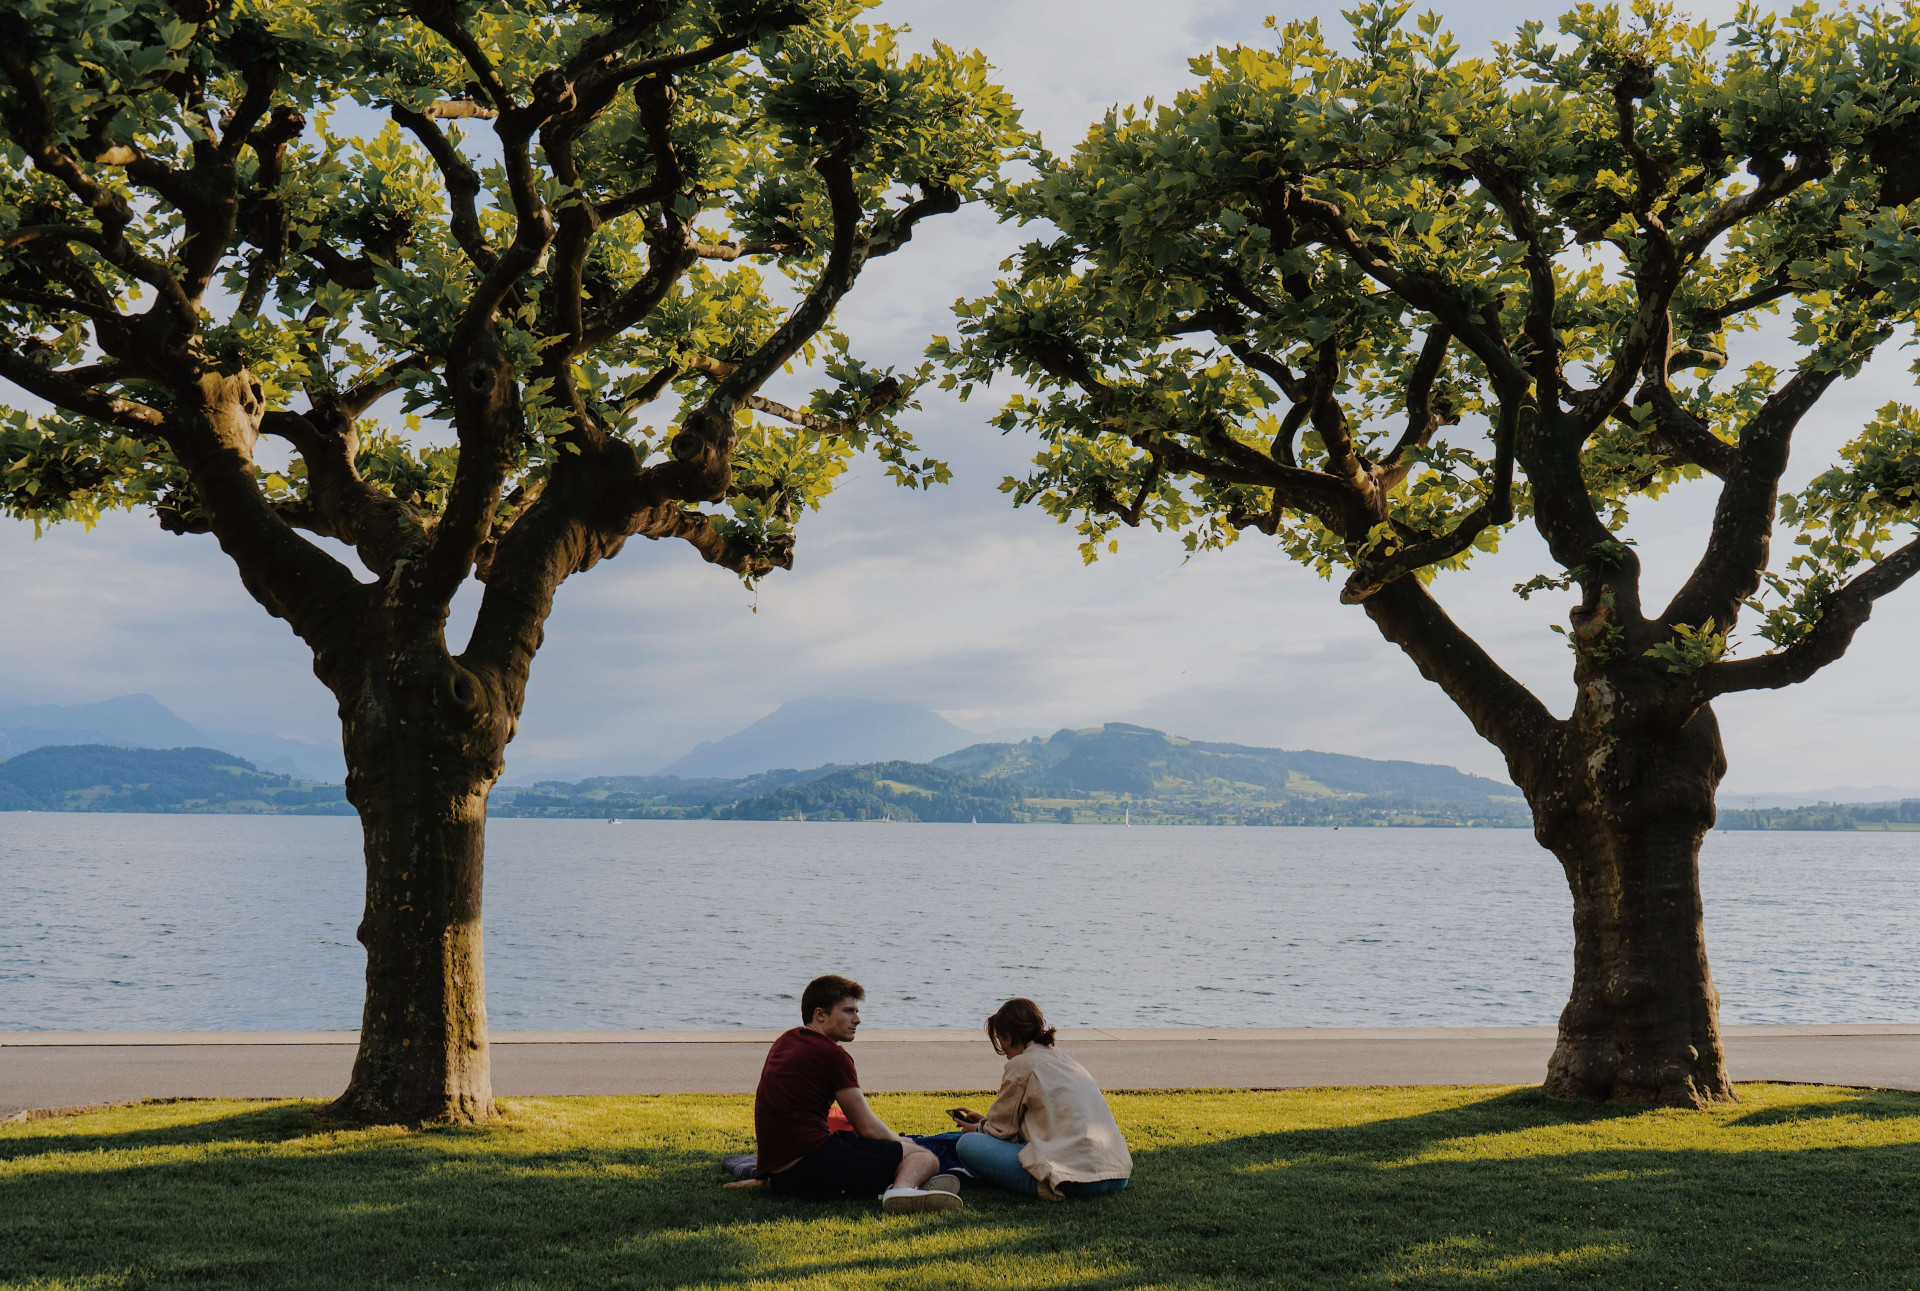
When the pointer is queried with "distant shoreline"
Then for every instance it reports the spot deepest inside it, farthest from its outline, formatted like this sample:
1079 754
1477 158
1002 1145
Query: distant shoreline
1116 775
1144 822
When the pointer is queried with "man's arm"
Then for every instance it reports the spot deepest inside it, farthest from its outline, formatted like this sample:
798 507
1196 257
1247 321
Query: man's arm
861 1117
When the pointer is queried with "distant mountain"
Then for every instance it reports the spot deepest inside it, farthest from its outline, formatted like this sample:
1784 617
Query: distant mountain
1139 761
811 732
1106 774
138 721
143 722
104 777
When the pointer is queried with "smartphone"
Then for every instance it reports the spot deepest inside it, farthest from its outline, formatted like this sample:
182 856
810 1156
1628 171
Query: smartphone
959 1114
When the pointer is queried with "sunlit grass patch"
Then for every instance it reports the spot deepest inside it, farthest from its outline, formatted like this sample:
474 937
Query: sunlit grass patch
1795 1186
1469 1260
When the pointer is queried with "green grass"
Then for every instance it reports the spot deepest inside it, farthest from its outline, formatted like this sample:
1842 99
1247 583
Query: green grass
1797 1186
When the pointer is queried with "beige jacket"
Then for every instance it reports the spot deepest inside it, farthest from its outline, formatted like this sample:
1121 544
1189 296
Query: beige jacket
1049 1100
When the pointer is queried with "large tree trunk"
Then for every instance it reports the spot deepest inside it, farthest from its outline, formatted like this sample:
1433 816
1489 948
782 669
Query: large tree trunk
422 801
1643 1021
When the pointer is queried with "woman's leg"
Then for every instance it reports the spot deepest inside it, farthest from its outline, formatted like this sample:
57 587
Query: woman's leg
997 1162
1097 1188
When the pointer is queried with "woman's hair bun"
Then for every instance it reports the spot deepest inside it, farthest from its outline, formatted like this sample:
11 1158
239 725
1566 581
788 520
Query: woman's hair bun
1019 1022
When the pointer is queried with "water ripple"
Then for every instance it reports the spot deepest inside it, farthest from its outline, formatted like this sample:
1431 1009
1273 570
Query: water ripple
116 922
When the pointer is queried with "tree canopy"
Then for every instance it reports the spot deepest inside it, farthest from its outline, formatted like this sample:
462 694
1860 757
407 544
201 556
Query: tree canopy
1331 296
634 192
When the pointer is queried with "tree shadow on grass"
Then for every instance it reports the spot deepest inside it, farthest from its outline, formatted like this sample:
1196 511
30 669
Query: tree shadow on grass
269 1122
1509 1190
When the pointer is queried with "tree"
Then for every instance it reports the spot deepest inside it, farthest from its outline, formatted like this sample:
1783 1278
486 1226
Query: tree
555 224
1382 306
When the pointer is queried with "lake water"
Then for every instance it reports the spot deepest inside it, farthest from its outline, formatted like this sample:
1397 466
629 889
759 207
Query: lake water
185 923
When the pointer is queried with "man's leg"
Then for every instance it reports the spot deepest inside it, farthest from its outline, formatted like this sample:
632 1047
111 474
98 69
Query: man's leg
843 1166
908 1196
998 1162
917 1165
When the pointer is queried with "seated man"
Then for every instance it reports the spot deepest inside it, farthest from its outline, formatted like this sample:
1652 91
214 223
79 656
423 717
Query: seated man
806 1073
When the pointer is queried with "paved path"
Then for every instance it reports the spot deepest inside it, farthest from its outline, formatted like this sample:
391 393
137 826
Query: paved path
54 1069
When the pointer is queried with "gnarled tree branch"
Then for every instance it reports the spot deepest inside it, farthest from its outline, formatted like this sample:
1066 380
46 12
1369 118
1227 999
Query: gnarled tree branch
1729 569
340 504
1843 614
463 187
1479 335
1503 711
62 391
1369 577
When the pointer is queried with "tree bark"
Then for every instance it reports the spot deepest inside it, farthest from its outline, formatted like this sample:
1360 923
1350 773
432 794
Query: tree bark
421 792
1643 1021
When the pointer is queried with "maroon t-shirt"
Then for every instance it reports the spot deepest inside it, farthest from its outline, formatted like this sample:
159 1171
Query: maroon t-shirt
804 1071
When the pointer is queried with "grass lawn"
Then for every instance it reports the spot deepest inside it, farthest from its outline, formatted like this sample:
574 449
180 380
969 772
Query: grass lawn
1797 1186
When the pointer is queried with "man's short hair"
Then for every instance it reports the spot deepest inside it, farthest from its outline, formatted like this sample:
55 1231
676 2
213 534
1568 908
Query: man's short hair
826 992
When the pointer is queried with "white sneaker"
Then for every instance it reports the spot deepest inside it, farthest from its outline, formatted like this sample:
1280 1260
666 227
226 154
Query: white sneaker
943 1183
914 1201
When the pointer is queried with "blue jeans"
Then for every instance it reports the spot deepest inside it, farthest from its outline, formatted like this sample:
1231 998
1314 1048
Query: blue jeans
998 1162
943 1148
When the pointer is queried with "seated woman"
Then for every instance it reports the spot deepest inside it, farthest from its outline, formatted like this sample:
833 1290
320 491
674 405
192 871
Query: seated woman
1050 1132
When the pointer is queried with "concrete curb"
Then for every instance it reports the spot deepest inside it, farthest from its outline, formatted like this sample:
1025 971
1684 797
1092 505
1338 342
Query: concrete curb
63 1070
1068 1036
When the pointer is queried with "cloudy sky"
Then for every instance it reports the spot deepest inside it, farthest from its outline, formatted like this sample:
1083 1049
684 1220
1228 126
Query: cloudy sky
951 599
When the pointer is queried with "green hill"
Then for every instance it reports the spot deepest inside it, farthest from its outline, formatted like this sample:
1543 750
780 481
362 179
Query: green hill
103 777
665 796
905 791
1119 760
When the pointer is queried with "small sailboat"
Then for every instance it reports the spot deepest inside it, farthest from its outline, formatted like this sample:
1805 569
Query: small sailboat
1129 818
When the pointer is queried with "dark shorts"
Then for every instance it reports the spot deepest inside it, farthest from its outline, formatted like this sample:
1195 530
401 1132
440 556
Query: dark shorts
846 1165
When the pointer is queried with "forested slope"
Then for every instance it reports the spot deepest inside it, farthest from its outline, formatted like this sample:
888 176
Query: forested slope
104 777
